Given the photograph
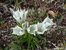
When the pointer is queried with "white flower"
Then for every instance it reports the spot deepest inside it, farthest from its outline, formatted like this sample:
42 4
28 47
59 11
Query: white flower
18 31
48 23
19 15
32 29
41 28
44 26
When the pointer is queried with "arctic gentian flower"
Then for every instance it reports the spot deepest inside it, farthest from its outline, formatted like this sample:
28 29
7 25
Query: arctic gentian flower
48 23
41 28
32 29
45 25
18 31
20 15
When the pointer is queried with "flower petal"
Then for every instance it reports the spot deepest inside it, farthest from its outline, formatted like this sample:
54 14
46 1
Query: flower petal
18 31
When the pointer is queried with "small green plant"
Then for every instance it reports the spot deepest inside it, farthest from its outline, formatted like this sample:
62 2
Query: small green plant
25 42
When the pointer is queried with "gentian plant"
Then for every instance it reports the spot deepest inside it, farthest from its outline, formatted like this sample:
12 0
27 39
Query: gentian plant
26 35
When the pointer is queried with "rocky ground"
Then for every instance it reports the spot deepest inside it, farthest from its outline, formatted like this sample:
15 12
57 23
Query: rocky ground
39 10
